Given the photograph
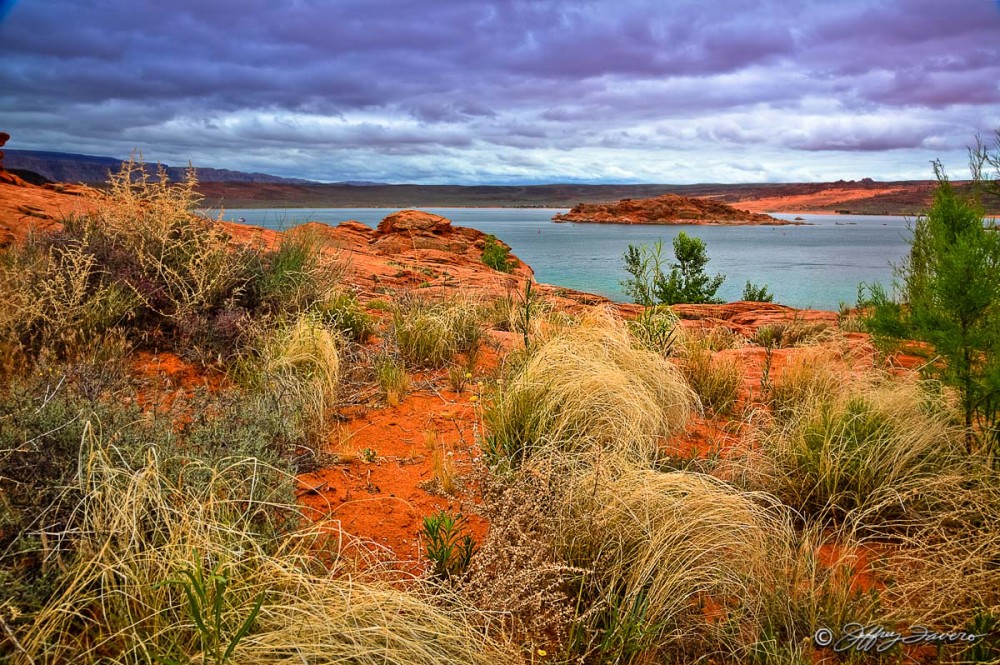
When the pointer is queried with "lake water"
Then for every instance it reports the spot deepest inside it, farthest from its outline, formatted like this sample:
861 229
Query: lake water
816 266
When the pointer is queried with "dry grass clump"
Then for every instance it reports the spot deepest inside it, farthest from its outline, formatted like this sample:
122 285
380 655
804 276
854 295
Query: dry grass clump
180 570
858 453
431 334
805 379
185 264
393 381
947 568
522 311
715 338
715 379
794 333
56 297
300 360
818 582
343 311
588 389
295 276
657 329
668 551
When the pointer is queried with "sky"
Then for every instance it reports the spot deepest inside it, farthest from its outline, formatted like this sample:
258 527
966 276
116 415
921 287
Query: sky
508 92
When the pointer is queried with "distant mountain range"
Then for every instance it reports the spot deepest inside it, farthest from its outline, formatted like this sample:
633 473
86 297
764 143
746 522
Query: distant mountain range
91 169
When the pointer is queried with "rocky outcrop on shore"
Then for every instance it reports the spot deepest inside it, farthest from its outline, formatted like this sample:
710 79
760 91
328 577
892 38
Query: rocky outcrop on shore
410 249
666 209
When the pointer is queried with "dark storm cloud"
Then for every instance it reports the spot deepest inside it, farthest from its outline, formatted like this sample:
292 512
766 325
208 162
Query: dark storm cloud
505 90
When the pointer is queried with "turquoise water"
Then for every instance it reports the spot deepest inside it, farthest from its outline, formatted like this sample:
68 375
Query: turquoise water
815 266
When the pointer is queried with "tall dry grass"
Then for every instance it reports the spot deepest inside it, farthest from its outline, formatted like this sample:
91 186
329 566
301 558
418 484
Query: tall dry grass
56 297
137 533
804 380
685 566
301 361
585 390
185 263
854 455
432 334
716 379
947 565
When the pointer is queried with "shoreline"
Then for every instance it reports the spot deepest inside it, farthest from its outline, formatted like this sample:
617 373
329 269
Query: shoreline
824 213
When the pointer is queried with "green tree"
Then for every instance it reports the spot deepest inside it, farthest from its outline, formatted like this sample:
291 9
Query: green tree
687 281
644 264
754 293
947 293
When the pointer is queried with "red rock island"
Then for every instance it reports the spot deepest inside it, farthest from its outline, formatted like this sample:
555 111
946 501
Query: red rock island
666 209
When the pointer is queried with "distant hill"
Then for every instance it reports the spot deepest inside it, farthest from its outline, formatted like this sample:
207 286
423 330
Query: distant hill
91 169
862 197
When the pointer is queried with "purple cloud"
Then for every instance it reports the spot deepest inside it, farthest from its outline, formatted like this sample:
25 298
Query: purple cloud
471 92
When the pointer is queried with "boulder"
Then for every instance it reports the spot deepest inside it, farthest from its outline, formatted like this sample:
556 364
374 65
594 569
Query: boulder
413 221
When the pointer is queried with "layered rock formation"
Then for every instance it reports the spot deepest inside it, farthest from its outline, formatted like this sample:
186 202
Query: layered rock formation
666 209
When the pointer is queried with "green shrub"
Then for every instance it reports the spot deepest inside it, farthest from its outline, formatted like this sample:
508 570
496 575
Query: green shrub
687 281
447 546
343 311
754 293
497 256
949 297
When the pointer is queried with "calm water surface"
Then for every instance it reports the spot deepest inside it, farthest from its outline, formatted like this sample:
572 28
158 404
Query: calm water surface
805 266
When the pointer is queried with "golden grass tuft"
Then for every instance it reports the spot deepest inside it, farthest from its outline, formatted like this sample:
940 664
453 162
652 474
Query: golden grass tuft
805 379
588 389
302 359
947 566
667 550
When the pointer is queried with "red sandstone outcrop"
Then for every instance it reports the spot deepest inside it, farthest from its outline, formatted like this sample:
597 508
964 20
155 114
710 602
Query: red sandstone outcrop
666 209
27 208
410 249
5 177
